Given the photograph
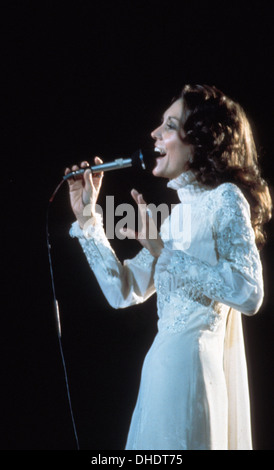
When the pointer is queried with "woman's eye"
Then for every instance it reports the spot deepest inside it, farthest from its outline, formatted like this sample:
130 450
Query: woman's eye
170 125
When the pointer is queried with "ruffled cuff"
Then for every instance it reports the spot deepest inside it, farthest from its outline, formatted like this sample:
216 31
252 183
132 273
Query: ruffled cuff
164 258
93 228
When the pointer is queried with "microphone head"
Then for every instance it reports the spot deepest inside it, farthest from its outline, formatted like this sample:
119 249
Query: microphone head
138 159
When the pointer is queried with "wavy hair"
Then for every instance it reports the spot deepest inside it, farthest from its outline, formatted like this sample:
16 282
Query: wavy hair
224 149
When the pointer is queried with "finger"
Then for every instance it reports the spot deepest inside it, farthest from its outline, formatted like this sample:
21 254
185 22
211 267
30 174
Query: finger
67 171
134 193
84 164
71 181
141 199
97 177
86 174
128 233
142 207
76 177
88 183
98 161
138 197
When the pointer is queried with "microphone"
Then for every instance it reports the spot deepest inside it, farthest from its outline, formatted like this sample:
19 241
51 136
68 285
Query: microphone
118 164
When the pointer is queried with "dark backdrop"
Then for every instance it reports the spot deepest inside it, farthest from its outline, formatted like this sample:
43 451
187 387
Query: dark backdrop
83 80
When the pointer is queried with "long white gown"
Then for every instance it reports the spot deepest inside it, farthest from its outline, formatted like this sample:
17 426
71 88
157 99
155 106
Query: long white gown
194 388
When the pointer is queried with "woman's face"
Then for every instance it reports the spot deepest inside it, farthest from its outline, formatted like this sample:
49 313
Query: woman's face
174 154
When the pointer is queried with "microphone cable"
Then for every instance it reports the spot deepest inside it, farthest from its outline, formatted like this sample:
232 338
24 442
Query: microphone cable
117 164
57 314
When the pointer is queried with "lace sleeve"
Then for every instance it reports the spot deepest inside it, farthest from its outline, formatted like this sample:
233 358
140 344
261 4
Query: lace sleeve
236 279
123 284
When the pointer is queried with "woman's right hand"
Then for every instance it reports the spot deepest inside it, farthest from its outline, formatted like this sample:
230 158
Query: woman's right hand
84 190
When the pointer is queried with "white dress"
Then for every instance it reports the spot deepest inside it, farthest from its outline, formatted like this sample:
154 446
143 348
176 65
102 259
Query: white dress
194 390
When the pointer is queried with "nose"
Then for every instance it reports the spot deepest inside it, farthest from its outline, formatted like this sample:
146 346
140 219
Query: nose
156 133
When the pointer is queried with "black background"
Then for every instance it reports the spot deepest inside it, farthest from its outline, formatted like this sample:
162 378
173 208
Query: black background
82 79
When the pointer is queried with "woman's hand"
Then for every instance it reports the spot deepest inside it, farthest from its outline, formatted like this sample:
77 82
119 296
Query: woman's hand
83 190
148 235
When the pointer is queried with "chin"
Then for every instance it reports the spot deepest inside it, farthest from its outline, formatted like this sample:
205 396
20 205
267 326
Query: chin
158 174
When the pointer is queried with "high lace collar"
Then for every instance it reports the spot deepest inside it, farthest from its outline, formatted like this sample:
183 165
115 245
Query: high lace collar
187 186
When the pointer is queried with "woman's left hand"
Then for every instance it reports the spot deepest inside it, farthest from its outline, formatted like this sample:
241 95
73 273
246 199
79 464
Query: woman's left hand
148 234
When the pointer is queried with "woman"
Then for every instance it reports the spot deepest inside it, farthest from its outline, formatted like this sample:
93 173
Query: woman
194 391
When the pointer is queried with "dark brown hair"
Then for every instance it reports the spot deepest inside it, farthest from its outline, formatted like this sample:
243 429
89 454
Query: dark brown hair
224 149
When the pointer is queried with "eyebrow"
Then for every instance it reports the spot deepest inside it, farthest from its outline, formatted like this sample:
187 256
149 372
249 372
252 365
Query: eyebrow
170 117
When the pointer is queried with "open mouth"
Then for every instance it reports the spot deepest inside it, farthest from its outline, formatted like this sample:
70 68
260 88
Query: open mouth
161 151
